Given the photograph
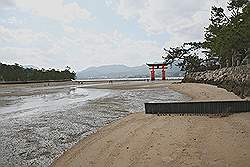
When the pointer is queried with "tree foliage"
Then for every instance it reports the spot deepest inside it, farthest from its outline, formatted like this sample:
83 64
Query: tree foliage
18 73
226 40
187 54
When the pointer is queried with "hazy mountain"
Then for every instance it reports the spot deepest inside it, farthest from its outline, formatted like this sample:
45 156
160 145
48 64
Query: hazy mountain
31 67
122 71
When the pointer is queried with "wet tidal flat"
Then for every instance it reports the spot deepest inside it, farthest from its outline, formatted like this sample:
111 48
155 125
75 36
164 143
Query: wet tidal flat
37 124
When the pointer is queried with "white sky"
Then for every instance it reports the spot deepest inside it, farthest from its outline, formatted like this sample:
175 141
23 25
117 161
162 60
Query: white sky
84 33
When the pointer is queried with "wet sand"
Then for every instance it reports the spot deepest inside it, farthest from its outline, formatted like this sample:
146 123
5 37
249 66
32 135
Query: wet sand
38 122
150 140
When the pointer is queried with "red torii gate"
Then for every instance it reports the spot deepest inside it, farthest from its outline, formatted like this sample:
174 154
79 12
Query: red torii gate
153 66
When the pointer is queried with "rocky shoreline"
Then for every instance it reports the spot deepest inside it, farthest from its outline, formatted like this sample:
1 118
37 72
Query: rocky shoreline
233 79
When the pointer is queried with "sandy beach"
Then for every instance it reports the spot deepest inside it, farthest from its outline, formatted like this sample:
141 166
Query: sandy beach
151 140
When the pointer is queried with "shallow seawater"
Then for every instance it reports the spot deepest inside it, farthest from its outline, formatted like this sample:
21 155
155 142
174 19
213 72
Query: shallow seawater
36 128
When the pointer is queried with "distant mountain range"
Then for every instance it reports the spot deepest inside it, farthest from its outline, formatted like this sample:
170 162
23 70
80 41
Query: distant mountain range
123 71
30 67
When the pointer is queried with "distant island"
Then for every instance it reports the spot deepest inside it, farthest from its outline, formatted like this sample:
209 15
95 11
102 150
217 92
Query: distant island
123 71
16 72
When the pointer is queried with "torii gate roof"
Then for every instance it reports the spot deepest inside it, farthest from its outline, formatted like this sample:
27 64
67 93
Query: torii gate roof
156 64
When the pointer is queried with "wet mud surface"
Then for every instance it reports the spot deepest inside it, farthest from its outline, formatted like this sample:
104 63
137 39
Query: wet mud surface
38 124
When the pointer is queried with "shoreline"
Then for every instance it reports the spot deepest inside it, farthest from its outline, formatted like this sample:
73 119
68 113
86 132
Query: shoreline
33 82
139 139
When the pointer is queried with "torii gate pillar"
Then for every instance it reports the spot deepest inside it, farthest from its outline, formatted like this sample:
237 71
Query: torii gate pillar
153 73
163 72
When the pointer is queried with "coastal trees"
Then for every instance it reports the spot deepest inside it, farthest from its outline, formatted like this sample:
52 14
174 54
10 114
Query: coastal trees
228 36
226 40
18 73
187 56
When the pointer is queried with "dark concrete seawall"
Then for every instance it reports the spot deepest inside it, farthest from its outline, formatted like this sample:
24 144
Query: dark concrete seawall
233 79
198 107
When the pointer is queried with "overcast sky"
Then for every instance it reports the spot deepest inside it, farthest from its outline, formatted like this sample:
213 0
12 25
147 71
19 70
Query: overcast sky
84 33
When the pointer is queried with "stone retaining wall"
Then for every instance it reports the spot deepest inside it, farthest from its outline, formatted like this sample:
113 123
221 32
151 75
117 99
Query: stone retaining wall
234 79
